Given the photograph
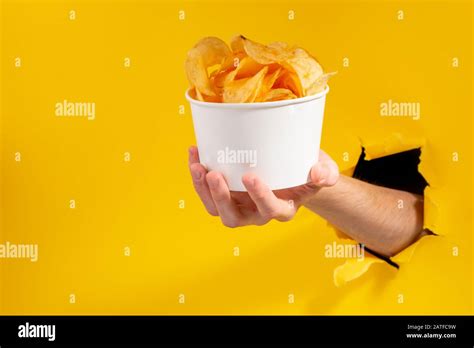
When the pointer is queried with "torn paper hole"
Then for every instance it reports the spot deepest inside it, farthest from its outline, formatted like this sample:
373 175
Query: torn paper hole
396 143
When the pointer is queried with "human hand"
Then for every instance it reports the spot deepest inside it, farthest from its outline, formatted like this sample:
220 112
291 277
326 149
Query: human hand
260 204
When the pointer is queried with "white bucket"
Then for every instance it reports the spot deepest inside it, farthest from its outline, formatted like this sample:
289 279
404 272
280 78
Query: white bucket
278 141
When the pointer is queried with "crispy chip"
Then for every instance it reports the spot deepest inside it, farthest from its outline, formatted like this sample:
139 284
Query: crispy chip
265 54
247 67
270 79
237 44
320 83
290 80
278 94
279 45
198 95
212 98
267 84
195 94
232 61
258 89
219 80
305 66
206 53
244 90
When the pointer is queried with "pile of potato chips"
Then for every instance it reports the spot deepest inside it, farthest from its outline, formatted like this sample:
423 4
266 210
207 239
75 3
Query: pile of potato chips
249 72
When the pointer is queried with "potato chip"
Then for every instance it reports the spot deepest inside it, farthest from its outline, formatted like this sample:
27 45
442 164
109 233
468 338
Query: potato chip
232 61
213 98
244 90
278 94
258 89
267 84
206 53
265 54
195 94
247 67
198 95
192 93
279 45
273 67
320 84
270 79
305 66
290 80
237 44
220 78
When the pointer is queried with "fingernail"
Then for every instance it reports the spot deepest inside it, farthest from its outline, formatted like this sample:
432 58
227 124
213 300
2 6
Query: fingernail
197 175
322 181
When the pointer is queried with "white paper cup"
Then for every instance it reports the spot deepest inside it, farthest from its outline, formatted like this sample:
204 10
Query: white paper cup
278 141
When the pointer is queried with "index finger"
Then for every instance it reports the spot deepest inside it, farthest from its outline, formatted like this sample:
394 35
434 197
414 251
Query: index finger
198 174
269 206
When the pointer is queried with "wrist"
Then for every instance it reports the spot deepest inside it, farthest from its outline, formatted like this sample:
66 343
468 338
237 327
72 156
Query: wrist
326 196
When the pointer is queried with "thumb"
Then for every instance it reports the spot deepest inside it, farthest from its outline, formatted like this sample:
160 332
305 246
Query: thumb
325 173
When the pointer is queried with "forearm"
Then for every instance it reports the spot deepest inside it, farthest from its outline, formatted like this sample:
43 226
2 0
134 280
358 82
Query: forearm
385 220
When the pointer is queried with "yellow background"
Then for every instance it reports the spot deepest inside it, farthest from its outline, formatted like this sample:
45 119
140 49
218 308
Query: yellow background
136 204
